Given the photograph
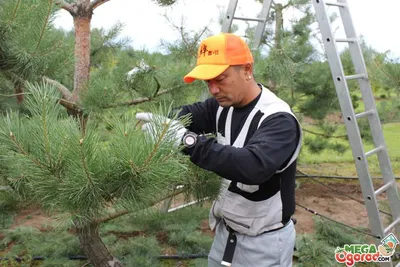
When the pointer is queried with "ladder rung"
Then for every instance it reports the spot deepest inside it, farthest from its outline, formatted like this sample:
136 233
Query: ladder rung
364 114
346 40
249 19
335 4
373 151
356 76
393 224
384 187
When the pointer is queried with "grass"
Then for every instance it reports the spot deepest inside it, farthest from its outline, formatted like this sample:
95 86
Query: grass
390 132
318 249
181 233
135 240
345 161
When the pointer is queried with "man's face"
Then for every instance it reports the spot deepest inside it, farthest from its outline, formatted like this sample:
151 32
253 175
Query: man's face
229 87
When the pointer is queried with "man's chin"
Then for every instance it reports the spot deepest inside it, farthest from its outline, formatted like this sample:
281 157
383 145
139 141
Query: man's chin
224 103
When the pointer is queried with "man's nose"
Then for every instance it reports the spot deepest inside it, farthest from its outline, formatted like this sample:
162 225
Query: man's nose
213 87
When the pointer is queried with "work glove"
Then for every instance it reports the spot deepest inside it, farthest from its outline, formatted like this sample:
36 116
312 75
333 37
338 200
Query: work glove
156 123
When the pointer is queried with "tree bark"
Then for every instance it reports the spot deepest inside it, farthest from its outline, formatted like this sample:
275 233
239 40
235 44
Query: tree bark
19 92
94 247
278 25
82 52
81 11
277 37
82 19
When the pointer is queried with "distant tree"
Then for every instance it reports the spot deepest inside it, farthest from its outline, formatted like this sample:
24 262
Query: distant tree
385 71
293 67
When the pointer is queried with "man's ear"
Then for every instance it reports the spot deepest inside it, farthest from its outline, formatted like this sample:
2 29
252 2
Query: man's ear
248 69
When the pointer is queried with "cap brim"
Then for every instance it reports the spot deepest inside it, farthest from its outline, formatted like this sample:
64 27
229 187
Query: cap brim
204 72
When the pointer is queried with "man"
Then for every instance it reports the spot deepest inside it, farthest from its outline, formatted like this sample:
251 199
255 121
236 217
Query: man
257 143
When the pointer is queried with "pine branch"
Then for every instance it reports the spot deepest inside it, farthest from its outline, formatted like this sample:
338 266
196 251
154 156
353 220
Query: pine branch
66 94
57 46
387 75
158 87
137 100
288 4
324 135
124 212
68 7
157 144
84 165
59 160
181 31
135 169
200 35
15 11
22 150
45 24
96 3
46 136
13 95
26 154
113 216
71 106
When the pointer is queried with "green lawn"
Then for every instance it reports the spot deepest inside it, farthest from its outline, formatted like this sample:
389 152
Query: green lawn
345 161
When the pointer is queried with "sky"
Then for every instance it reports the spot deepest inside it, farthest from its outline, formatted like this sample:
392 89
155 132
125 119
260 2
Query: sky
145 24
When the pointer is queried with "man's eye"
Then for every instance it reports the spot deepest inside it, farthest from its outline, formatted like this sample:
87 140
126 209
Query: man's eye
220 79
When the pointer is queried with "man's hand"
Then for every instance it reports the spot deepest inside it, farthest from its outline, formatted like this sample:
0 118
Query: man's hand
156 123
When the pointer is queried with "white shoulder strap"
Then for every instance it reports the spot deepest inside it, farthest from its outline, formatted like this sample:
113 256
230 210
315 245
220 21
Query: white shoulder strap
228 124
217 118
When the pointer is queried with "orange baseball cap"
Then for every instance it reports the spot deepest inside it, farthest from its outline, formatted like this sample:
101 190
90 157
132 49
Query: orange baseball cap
216 54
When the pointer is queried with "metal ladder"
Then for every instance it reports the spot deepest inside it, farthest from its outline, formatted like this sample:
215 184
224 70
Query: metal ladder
340 80
350 118
262 20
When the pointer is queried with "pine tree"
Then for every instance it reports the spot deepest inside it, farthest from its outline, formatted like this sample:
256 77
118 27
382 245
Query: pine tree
385 73
30 47
86 178
79 152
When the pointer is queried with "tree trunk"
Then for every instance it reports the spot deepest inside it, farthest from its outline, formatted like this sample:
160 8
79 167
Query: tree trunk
278 37
82 19
19 92
292 93
82 53
81 11
94 247
278 25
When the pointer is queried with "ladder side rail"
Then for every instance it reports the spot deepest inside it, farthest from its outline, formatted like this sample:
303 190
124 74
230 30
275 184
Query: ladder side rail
349 118
230 13
261 25
374 121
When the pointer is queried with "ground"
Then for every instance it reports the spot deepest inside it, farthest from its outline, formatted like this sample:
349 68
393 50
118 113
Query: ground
316 194
327 202
319 195
32 217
